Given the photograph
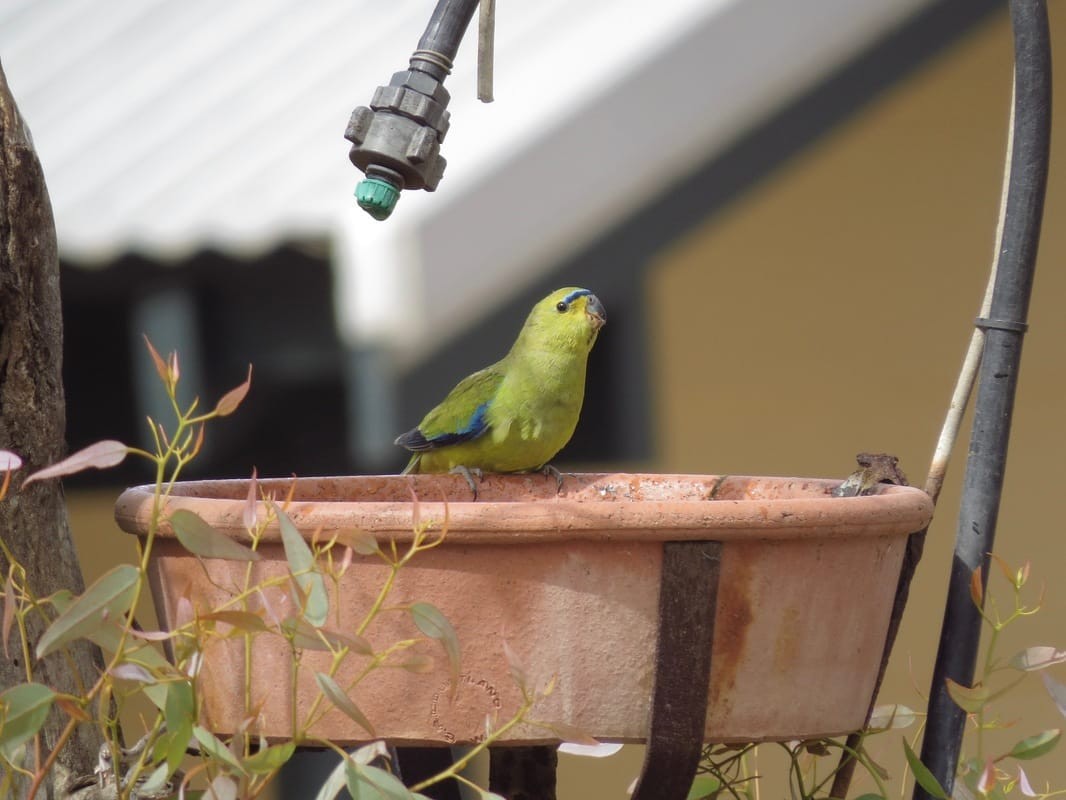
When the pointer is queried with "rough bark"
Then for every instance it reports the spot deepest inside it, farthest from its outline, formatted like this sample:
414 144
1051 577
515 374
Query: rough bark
32 422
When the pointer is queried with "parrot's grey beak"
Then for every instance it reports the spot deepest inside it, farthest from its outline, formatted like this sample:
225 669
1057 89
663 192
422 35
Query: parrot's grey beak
597 314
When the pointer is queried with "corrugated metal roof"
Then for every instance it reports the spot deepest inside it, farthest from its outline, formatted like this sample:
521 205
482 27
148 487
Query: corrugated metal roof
167 126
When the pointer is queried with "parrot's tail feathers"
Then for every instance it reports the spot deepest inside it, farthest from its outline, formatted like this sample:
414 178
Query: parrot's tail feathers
412 465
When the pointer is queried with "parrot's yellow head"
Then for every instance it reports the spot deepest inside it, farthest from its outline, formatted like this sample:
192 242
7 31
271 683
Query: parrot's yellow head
566 319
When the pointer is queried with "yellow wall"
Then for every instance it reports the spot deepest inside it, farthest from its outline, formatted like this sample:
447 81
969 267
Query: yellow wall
827 313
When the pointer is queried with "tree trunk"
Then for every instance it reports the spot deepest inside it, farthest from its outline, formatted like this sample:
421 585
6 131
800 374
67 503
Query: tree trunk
32 422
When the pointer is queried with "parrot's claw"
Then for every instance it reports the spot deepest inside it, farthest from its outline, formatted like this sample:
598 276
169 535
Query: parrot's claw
469 474
551 472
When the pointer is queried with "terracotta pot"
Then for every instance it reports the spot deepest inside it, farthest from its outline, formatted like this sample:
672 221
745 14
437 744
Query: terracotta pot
571 582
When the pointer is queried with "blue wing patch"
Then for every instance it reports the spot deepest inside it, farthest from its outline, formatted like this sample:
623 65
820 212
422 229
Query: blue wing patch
415 441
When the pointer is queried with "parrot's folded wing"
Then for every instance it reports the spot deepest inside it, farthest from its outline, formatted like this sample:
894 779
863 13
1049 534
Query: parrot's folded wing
462 416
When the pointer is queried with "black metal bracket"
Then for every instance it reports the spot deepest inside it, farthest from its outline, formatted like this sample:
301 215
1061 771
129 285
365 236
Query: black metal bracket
688 602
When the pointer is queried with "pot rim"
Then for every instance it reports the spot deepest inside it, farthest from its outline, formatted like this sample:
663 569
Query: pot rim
517 509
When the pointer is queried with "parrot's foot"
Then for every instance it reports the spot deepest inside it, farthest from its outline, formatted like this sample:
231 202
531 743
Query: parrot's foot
551 472
469 474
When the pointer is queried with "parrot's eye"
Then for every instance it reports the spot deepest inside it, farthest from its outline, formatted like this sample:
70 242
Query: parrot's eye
561 307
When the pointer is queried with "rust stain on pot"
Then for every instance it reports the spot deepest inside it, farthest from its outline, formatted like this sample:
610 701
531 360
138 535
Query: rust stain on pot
732 622
787 646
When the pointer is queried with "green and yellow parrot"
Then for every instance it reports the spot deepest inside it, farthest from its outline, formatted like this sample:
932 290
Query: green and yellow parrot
515 415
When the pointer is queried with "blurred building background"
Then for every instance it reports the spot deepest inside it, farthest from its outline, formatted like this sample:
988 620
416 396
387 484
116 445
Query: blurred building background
787 208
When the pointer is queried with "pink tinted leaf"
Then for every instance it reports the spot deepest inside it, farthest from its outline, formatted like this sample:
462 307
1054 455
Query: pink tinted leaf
9 462
184 613
1057 691
132 672
241 621
232 399
157 360
1024 785
519 673
248 515
9 611
151 636
892 716
222 787
590 751
976 589
1034 658
101 455
570 733
416 510
988 777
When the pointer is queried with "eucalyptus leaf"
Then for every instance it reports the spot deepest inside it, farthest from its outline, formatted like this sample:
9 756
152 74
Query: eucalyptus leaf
1034 658
1036 746
331 689
109 596
23 710
922 775
1057 691
703 786
269 759
969 699
180 709
214 747
305 572
435 625
335 783
370 783
200 539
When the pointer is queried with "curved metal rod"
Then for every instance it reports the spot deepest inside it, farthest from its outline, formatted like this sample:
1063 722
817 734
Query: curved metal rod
1004 329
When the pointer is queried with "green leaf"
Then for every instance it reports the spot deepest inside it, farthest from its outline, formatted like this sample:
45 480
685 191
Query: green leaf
336 695
242 621
870 796
922 775
361 542
180 708
171 746
1036 746
202 540
214 747
107 637
270 759
109 596
308 637
969 699
436 626
305 571
371 783
156 781
703 786
23 710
